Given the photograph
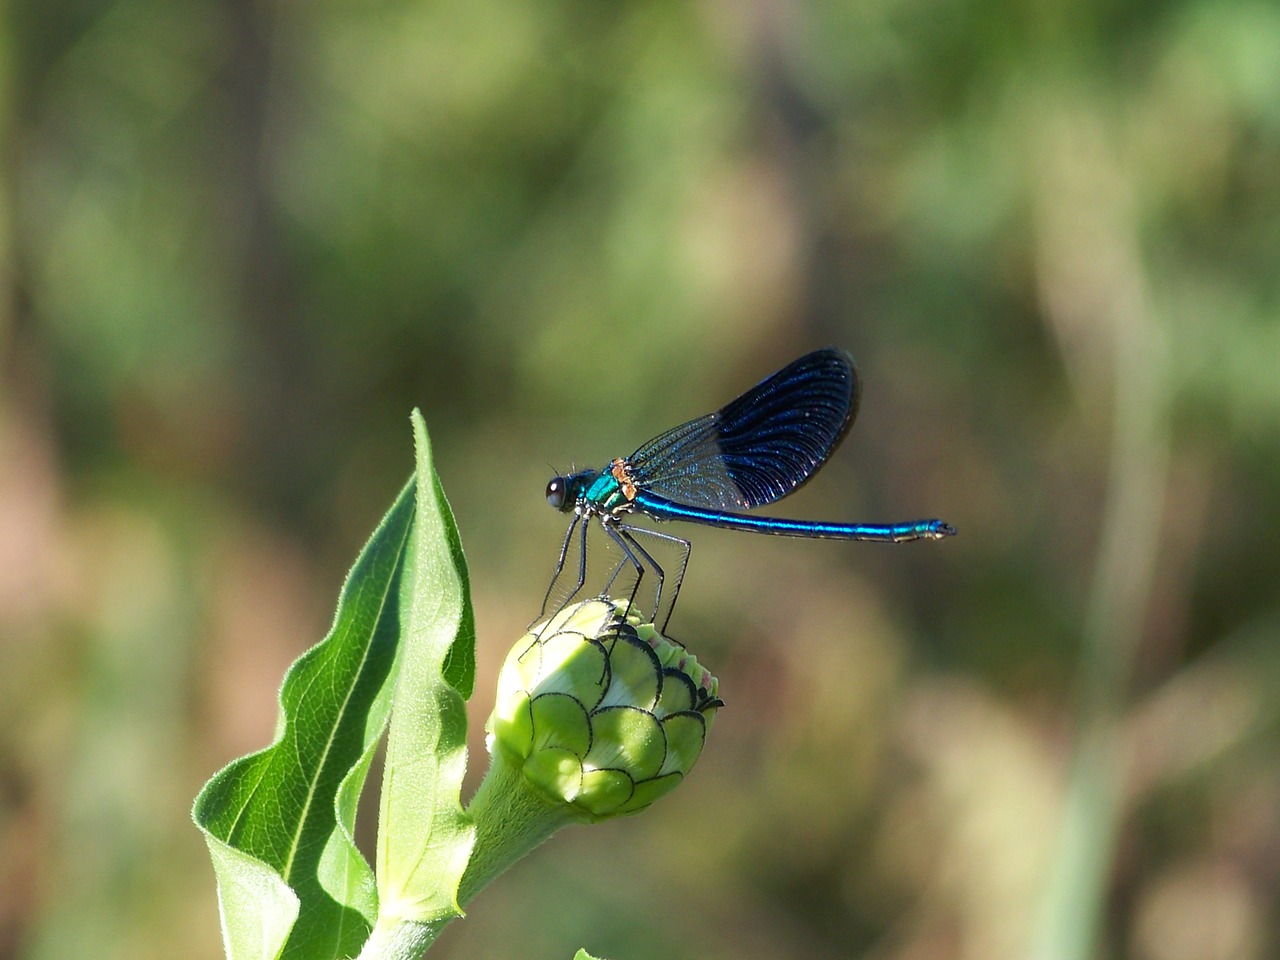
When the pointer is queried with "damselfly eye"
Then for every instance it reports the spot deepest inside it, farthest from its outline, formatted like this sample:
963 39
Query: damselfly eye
556 491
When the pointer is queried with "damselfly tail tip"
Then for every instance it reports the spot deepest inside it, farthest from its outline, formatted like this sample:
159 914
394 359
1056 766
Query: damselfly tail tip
939 530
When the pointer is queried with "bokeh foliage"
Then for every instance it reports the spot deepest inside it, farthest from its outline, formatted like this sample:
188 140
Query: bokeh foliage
239 241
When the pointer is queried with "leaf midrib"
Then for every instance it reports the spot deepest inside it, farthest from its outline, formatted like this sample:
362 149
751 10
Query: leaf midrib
392 580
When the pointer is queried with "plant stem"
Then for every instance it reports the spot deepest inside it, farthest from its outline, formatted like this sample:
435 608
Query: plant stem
400 939
1095 282
511 819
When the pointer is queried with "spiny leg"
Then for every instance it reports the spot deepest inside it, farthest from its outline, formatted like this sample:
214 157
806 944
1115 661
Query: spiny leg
628 533
582 569
686 548
613 577
555 576
629 549
582 563
628 558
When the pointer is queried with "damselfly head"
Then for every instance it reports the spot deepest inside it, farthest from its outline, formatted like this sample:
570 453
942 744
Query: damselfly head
564 492
557 492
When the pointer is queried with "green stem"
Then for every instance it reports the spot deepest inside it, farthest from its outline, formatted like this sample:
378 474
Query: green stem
1096 281
400 939
511 819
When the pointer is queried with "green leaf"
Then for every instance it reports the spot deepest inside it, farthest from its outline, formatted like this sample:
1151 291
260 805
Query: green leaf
278 822
424 836
583 955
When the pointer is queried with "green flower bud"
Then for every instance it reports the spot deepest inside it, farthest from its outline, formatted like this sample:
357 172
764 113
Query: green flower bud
601 712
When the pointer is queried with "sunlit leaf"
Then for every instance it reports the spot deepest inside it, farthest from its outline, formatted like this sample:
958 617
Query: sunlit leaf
424 837
278 822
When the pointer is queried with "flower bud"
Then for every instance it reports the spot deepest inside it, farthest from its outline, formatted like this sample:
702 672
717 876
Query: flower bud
600 711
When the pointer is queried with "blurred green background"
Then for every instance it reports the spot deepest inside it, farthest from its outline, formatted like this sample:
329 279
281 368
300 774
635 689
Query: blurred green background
239 241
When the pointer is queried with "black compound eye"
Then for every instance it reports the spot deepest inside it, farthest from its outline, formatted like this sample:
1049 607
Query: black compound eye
556 491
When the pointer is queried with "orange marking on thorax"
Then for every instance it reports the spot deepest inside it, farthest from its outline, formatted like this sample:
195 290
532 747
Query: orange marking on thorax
618 470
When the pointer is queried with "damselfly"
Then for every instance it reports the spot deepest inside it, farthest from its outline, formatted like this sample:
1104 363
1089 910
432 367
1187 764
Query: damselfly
757 449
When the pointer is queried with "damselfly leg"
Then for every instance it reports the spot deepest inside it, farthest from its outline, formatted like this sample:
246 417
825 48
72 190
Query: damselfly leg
578 524
635 558
685 548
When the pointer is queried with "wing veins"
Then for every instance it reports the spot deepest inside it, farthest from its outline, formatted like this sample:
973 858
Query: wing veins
759 447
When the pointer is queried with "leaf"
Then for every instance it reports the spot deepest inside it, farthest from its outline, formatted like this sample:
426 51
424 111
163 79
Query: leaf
424 837
278 823
583 955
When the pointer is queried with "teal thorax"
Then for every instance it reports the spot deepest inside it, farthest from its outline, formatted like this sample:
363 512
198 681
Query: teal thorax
609 492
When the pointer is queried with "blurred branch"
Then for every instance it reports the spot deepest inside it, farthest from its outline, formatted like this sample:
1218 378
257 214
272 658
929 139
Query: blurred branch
1096 299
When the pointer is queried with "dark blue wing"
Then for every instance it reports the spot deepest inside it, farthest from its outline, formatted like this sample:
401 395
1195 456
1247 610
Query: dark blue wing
760 447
